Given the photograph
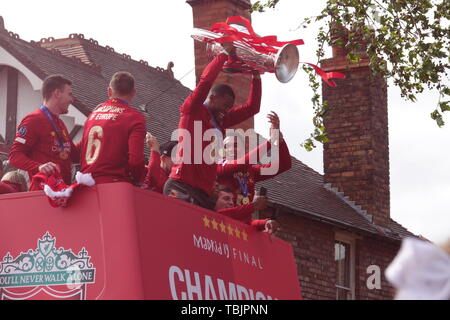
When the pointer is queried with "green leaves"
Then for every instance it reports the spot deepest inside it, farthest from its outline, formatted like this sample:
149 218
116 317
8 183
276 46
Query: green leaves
260 6
435 115
407 41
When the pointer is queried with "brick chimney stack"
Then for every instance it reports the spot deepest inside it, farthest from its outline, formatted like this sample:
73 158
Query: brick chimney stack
205 14
356 158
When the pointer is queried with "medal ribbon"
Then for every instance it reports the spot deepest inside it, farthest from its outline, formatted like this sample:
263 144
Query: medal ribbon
45 110
243 185
265 44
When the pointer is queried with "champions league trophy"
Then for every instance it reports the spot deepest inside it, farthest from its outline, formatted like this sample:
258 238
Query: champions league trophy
253 53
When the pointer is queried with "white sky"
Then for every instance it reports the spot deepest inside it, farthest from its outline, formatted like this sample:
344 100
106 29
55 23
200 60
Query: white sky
159 31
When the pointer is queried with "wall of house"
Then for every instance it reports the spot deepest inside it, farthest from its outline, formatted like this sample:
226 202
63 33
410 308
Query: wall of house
3 103
313 246
28 99
29 96
371 251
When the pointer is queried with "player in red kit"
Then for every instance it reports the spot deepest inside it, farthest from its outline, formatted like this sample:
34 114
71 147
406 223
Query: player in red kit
160 163
112 148
225 205
240 175
207 107
42 142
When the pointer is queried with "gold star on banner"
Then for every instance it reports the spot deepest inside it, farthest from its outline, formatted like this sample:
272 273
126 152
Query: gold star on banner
230 230
206 221
223 227
244 235
214 224
238 233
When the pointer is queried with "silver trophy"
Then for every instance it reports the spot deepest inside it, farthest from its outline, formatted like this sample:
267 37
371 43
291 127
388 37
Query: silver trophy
284 63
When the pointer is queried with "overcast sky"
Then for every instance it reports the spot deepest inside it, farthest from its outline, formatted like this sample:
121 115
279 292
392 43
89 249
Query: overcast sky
159 31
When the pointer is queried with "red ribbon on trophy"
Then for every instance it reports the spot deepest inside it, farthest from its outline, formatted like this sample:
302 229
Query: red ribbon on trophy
281 56
327 76
261 44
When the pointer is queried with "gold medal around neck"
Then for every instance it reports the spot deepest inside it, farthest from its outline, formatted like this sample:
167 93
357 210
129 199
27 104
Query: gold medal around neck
245 200
64 155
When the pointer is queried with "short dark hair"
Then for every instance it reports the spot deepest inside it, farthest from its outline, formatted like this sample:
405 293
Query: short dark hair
223 188
222 89
122 83
52 83
167 147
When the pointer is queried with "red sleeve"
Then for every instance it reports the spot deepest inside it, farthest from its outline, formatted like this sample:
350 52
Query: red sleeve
229 167
254 154
153 169
242 113
26 139
136 160
200 93
242 213
284 162
242 164
259 224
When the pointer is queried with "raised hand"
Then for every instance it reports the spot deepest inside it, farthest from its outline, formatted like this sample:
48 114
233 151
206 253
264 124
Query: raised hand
275 133
271 226
152 142
274 120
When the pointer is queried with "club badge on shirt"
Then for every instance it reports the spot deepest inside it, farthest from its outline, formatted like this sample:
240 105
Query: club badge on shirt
22 131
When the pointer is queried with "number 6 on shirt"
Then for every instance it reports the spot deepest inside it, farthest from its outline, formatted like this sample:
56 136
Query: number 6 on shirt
94 144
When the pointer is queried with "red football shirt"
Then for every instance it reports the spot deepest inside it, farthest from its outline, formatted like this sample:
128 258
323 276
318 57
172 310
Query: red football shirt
243 213
202 175
156 177
234 174
112 148
37 143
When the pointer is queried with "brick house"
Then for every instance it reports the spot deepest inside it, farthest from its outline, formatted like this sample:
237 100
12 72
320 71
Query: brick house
338 223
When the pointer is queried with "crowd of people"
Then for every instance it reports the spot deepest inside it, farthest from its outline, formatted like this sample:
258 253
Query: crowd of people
112 146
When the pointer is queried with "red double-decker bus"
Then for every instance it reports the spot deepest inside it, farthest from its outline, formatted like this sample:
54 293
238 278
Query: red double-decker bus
116 241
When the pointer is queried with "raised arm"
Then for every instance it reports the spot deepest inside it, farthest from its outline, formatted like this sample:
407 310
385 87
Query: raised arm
282 161
242 164
241 113
200 93
153 167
